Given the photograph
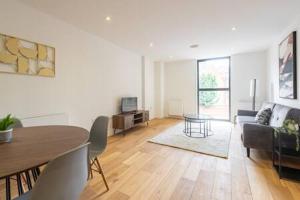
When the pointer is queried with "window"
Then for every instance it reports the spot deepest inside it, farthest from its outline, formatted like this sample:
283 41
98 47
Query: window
214 87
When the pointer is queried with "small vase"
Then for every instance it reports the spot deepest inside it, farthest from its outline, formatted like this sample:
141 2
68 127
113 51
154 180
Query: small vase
6 136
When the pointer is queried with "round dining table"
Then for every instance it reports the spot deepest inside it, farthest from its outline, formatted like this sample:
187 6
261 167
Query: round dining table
32 147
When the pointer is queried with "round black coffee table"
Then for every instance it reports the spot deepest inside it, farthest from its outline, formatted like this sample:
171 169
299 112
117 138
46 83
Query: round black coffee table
204 122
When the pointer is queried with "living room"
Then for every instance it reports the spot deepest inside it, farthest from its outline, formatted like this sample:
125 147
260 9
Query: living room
188 99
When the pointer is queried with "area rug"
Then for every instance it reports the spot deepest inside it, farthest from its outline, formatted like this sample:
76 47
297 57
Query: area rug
216 145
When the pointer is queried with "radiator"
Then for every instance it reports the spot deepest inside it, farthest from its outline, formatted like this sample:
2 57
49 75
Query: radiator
175 108
43 120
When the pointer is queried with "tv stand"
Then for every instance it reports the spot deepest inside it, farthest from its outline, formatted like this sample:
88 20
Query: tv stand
125 121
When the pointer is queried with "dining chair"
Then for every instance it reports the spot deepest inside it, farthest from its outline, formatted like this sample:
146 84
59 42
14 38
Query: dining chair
98 140
64 178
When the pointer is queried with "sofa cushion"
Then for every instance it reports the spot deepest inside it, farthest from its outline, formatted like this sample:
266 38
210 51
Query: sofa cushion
279 114
263 116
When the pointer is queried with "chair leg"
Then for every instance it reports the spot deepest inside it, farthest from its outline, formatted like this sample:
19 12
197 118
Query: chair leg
248 152
91 170
102 173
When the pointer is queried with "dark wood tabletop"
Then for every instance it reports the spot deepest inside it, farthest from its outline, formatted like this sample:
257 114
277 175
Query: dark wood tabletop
34 146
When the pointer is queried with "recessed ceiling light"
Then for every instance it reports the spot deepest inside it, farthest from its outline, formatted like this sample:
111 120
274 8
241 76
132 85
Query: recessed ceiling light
151 44
107 18
170 57
194 46
233 28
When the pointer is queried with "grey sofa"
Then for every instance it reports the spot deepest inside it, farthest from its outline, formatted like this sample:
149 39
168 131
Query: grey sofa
259 136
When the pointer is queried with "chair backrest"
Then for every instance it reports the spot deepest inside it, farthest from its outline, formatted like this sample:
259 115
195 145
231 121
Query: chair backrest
98 133
65 177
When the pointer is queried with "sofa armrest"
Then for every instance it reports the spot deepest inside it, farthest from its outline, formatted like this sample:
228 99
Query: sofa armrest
258 136
251 113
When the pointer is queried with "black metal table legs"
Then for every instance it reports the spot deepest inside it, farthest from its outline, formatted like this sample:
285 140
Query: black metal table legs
25 176
7 185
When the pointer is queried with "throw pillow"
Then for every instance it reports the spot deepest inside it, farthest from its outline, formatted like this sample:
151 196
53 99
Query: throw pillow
263 116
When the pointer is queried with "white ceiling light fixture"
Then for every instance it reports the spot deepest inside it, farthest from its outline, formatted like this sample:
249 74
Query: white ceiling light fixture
151 44
233 28
108 18
170 57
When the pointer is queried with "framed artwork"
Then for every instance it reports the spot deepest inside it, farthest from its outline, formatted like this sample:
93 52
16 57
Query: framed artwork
25 57
288 67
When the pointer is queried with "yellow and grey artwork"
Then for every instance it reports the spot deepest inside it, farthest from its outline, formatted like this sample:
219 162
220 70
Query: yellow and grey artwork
25 57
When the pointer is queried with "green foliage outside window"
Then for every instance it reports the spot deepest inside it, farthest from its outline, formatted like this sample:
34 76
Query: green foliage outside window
208 98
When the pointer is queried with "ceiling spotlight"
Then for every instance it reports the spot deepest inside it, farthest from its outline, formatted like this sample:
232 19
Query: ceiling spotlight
151 44
194 46
233 28
107 18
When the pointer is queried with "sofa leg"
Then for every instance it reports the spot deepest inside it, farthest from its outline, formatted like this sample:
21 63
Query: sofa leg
248 152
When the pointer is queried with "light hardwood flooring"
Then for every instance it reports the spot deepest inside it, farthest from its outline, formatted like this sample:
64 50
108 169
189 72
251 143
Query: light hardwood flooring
137 169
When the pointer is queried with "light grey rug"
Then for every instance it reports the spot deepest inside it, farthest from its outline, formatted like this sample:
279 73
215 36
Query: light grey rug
215 145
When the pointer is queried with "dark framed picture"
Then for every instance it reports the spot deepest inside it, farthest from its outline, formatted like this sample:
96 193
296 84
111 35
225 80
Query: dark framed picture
288 67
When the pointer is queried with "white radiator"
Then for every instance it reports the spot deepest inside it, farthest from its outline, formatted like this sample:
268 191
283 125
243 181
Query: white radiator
43 120
175 108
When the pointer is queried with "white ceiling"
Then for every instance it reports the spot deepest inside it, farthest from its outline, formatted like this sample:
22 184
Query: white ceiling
173 25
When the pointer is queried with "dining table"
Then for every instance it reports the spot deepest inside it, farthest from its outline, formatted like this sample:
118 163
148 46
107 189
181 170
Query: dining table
33 147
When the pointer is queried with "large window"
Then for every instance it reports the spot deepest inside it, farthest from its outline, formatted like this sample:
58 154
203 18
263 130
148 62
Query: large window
214 87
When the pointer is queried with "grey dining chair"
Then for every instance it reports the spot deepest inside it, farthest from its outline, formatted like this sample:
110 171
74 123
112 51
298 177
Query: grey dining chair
64 178
98 140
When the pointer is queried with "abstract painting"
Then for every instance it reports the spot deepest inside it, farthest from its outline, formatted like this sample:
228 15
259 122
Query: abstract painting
287 68
25 57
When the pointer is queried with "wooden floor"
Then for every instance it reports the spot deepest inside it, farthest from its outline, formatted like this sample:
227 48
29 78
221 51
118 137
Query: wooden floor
136 169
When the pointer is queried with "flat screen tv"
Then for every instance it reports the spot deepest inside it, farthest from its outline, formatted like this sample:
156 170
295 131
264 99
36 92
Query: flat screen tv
129 104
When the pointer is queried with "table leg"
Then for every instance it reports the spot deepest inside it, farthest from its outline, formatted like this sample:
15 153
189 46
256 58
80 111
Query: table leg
7 182
28 180
19 183
200 128
34 175
190 129
205 128
38 171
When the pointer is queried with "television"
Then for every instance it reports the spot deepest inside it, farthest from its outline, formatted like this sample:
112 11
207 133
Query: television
129 104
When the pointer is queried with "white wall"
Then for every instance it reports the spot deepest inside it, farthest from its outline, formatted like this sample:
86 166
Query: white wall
180 84
245 67
181 81
91 73
273 67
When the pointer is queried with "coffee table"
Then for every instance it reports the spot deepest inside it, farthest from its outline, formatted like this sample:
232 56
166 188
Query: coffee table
204 122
